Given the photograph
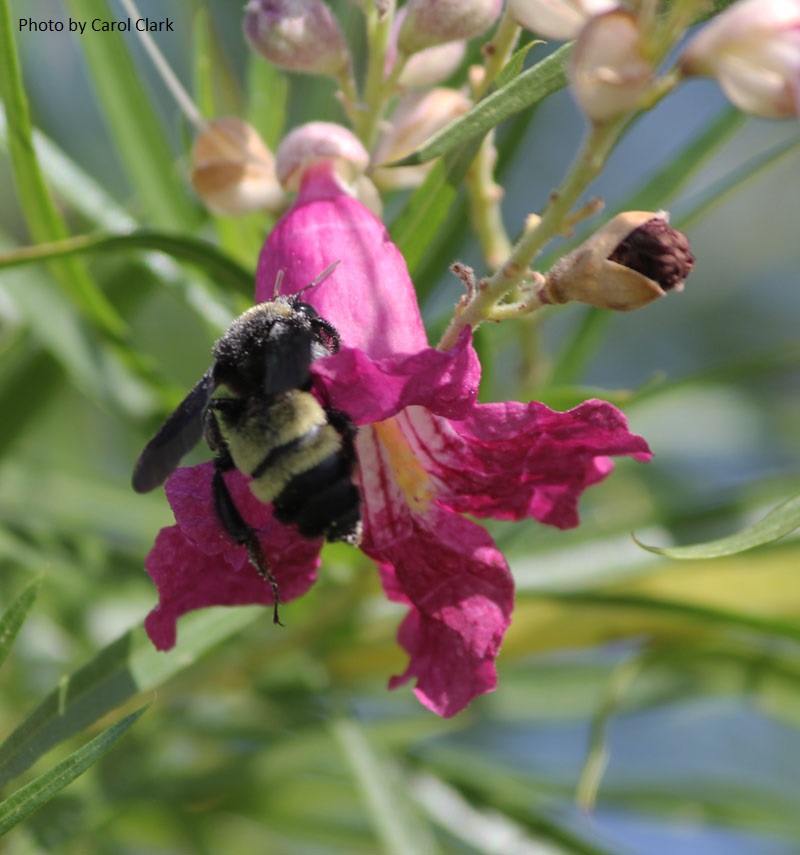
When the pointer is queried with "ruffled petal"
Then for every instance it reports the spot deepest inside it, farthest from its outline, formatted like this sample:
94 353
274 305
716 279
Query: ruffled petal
513 461
369 297
371 390
445 567
461 596
195 564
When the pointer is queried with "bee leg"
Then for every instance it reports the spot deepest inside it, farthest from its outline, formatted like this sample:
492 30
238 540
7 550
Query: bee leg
240 531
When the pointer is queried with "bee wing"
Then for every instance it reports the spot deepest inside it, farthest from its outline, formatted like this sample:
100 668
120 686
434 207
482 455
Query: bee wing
177 436
287 361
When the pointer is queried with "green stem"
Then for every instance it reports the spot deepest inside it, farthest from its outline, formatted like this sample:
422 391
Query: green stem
497 52
377 90
485 196
585 169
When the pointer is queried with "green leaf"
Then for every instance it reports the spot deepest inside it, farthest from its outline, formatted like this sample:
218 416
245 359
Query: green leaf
397 823
428 206
776 524
522 93
220 267
515 65
32 796
709 615
133 122
121 670
676 173
41 215
92 202
14 616
735 179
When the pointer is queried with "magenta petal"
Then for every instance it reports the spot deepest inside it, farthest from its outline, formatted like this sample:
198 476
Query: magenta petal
369 297
196 564
370 390
461 596
512 461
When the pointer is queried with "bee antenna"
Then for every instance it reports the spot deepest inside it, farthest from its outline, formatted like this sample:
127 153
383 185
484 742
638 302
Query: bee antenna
328 270
278 280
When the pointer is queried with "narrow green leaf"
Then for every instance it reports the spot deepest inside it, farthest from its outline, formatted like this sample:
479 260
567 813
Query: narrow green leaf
676 173
59 330
776 524
33 795
428 206
515 65
735 179
14 616
398 825
525 90
121 670
691 611
223 269
41 215
92 202
133 122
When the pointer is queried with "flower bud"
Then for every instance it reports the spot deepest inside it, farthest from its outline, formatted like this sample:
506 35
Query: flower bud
633 259
608 72
556 19
233 171
319 142
417 117
298 35
434 22
431 66
753 50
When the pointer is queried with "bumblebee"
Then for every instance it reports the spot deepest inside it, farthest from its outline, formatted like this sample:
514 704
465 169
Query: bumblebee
255 409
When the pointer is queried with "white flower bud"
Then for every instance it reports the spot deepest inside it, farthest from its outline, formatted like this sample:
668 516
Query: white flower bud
319 142
608 72
753 50
417 117
556 19
431 66
633 259
233 171
434 22
298 35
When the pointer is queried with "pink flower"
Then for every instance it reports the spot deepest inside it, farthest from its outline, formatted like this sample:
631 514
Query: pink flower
428 453
753 50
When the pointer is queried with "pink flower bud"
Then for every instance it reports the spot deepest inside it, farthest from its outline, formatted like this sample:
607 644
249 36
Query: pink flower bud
417 117
633 259
753 50
608 72
233 171
319 143
431 66
556 19
434 22
428 67
298 35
